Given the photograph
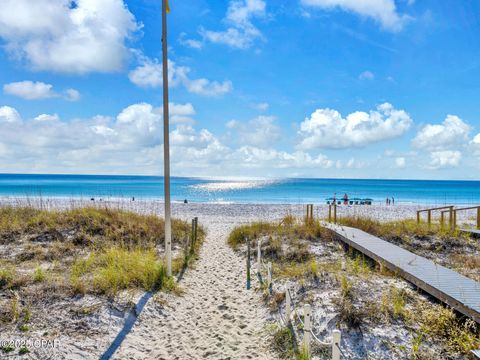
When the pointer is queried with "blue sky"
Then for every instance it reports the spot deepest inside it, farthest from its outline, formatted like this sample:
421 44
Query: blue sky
259 88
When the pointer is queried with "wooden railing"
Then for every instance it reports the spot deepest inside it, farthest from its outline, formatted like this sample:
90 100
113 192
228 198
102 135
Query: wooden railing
465 209
452 218
429 214
332 208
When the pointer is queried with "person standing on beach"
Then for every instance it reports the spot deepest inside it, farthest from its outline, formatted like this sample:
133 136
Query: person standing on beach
393 200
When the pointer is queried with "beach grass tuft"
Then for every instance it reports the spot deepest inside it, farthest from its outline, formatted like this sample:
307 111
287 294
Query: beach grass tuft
110 270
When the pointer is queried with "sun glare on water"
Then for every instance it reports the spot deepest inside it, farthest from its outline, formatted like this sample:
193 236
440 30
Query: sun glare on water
232 185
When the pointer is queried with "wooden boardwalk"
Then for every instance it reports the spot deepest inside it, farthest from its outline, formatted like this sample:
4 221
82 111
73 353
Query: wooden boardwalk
473 232
452 288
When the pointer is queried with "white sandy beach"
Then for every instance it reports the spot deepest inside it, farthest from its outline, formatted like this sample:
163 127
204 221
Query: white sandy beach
216 317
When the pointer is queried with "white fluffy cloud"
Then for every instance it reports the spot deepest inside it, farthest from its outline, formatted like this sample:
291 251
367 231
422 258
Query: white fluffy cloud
67 36
149 74
445 159
326 128
382 11
72 95
131 143
30 90
191 43
240 33
366 75
9 115
452 132
476 139
259 131
475 144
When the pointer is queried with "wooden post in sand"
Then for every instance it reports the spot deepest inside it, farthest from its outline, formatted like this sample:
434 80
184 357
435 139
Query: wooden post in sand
186 247
336 337
192 242
248 264
288 304
329 213
259 256
306 329
429 217
450 218
454 225
309 216
418 217
269 278
478 218
196 228
335 213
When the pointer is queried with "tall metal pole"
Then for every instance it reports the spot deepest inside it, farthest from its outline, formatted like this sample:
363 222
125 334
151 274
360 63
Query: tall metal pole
166 143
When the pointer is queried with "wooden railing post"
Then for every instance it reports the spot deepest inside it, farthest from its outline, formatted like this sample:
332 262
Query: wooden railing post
429 218
478 218
306 329
288 304
309 215
186 247
329 213
196 228
192 242
269 277
248 264
336 338
259 255
442 216
418 217
454 219
335 213
450 219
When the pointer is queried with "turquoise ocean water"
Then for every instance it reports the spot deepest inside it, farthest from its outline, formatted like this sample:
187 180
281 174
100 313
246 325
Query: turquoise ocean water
239 191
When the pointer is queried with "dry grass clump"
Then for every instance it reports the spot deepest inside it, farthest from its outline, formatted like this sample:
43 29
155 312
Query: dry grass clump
460 335
113 269
288 227
403 231
349 313
49 256
86 226
283 342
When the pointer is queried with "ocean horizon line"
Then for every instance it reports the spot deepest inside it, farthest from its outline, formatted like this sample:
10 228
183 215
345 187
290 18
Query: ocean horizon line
237 178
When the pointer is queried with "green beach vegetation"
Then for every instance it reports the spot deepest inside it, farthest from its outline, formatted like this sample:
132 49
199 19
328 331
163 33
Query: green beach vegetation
363 296
53 256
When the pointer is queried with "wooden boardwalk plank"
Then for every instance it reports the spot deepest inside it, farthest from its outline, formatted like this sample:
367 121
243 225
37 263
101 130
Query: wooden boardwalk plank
474 232
452 288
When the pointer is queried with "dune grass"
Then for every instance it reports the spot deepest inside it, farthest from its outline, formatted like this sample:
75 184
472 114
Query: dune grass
89 250
116 268
88 226
287 227
398 230
287 244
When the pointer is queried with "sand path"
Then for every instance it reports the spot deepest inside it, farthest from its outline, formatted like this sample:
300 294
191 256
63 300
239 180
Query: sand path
216 318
